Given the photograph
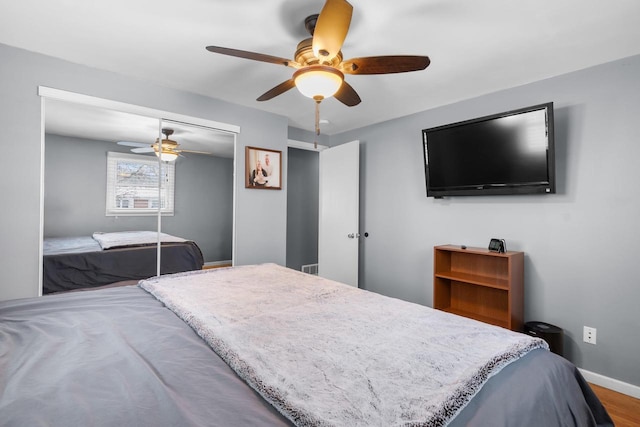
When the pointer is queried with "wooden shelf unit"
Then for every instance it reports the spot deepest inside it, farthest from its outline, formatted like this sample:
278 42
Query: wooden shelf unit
480 284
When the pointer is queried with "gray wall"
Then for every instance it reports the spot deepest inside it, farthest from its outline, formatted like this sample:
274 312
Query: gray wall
74 197
302 208
581 244
20 173
304 135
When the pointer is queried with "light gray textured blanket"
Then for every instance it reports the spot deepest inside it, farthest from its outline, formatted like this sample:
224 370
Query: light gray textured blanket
132 238
324 353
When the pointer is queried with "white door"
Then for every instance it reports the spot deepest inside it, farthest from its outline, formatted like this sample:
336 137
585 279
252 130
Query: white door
339 212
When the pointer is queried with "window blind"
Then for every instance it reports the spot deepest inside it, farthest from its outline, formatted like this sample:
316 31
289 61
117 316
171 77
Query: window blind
133 187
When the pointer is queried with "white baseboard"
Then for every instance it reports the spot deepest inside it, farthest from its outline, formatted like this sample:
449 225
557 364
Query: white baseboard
611 383
217 263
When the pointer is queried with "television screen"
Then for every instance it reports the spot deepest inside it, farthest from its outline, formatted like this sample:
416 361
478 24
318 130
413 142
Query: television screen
506 153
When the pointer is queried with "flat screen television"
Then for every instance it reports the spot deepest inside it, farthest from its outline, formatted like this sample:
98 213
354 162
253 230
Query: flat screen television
505 153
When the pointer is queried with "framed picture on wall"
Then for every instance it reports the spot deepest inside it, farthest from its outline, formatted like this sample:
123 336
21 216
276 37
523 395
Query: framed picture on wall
263 168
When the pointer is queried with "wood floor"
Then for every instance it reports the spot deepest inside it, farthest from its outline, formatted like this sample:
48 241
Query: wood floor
209 267
624 410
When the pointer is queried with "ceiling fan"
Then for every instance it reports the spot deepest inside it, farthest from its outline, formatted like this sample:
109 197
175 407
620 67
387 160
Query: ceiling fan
319 64
167 150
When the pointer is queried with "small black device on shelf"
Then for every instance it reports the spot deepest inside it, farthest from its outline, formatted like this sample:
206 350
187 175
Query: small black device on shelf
498 245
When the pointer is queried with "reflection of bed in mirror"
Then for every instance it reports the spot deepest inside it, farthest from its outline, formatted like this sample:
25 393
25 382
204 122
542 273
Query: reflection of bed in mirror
72 263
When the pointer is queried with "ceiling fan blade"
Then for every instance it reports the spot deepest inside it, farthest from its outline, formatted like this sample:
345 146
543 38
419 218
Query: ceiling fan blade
254 56
385 64
347 95
278 90
132 144
194 152
331 29
143 150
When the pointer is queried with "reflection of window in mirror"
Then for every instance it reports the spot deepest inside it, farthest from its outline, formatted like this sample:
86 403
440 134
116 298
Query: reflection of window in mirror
132 185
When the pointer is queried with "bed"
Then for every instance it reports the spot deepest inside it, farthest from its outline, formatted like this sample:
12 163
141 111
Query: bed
72 263
264 345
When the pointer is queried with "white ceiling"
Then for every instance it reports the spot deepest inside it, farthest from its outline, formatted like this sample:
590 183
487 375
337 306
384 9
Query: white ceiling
81 121
476 47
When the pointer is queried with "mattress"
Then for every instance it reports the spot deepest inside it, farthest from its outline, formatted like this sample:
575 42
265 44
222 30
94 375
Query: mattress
119 356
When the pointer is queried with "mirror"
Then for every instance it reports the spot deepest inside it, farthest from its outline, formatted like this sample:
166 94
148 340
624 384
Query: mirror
78 140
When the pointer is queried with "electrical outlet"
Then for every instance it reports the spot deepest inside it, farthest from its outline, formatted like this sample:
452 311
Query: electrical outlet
589 335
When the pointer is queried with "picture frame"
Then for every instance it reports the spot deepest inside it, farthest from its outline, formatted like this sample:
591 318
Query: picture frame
263 169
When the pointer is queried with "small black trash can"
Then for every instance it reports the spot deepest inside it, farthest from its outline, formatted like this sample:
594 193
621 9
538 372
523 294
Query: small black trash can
553 335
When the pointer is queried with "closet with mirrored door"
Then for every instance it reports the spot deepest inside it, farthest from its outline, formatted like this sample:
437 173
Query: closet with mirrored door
130 196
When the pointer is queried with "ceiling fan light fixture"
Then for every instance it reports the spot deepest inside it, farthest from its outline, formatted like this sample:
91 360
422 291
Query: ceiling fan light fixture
167 155
318 81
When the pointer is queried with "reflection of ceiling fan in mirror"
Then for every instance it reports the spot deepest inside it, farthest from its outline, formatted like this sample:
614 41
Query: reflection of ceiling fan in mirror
168 151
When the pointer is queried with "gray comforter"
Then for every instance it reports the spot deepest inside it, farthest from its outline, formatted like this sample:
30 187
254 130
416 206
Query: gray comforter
115 357
118 357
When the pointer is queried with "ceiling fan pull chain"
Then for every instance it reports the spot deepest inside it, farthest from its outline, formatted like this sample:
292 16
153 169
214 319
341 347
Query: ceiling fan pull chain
317 117
315 143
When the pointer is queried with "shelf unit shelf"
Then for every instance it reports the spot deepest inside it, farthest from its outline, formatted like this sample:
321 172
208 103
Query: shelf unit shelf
480 284
489 282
